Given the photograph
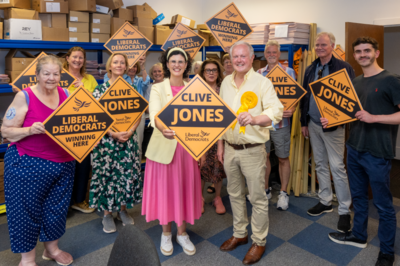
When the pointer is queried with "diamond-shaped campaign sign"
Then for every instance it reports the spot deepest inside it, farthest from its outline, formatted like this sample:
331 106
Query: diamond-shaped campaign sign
336 98
287 89
184 38
198 116
28 77
78 123
339 53
228 26
124 103
130 41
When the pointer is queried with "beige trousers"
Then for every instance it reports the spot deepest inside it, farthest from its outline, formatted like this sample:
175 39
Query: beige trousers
249 164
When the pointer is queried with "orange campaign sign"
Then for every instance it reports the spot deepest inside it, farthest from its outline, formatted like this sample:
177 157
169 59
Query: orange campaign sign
78 123
184 38
130 41
124 103
287 89
228 26
198 116
339 53
28 77
336 98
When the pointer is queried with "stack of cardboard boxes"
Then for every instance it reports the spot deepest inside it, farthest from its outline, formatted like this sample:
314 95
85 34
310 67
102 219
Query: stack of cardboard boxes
78 25
100 27
143 16
16 62
121 15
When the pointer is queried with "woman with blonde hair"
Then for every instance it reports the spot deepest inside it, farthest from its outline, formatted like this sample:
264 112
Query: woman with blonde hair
116 182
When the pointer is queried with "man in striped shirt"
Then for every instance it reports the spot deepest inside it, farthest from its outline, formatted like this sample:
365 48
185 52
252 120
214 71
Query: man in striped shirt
281 135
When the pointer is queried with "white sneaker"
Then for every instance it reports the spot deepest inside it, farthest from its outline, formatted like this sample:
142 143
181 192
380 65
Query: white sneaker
166 246
283 201
186 244
269 194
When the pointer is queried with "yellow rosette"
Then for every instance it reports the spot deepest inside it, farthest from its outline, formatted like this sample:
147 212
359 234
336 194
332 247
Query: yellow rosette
249 100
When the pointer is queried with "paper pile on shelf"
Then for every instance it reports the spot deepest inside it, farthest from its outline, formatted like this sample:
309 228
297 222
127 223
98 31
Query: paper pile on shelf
95 69
290 32
259 35
4 78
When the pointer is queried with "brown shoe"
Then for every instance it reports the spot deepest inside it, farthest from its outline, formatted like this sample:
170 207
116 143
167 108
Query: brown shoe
233 243
63 258
254 254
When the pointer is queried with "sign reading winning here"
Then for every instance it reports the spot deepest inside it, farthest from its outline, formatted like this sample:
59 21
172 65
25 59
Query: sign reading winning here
287 89
130 41
184 38
228 26
336 98
78 123
28 77
198 116
124 103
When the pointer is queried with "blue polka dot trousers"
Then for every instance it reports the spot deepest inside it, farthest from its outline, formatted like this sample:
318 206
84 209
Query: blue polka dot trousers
38 193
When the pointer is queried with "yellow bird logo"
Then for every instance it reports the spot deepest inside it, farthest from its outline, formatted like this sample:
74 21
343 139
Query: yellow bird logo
231 15
128 32
80 104
181 32
204 134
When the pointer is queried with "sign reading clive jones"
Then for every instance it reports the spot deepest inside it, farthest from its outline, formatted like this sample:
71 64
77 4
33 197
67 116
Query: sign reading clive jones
336 98
124 103
129 41
198 116
184 38
228 26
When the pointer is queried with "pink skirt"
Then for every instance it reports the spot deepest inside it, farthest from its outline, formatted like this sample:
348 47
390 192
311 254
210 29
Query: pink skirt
172 192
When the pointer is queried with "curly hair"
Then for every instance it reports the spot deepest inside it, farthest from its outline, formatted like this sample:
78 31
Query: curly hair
219 67
164 61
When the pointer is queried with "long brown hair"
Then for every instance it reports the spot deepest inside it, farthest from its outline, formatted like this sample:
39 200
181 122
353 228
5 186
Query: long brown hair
220 70
76 49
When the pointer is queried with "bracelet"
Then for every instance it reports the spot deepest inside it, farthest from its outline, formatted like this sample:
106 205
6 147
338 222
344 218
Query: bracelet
110 134
132 131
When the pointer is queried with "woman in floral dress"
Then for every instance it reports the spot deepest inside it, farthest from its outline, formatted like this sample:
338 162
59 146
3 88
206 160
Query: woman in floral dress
116 182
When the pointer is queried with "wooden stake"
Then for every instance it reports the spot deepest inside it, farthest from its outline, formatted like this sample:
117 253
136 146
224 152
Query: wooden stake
305 165
313 179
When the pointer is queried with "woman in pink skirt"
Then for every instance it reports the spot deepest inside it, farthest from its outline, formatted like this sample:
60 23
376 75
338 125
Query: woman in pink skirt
172 184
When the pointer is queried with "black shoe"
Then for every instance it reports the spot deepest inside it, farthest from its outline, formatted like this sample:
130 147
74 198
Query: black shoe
347 239
384 259
319 209
344 223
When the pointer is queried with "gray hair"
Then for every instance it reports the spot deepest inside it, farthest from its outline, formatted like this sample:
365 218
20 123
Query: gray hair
48 59
195 63
329 34
272 43
251 50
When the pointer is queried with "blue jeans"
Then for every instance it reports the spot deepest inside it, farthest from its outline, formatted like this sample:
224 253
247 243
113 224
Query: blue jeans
364 168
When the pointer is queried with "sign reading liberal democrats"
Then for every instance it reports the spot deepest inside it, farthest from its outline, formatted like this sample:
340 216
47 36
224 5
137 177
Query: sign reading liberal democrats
28 77
198 116
130 41
184 38
78 123
228 26
124 103
287 89
336 98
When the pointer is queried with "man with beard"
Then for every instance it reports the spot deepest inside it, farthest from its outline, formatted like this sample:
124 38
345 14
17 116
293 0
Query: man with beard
281 135
370 149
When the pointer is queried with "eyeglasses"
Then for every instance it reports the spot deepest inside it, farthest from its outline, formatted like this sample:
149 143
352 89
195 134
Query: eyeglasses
320 72
210 71
173 62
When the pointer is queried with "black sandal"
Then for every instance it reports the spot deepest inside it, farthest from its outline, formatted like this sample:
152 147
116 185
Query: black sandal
210 189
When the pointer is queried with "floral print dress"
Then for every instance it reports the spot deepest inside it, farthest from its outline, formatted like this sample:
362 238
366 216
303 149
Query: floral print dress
116 179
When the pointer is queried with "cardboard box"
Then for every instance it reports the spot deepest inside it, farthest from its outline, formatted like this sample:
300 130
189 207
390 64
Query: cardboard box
78 37
206 35
18 60
123 13
100 19
22 29
20 13
140 11
55 6
257 64
75 16
1 30
143 22
116 23
213 41
82 5
53 20
46 20
16 3
111 4
184 20
13 74
55 34
100 28
153 13
96 37
161 33
82 27
148 32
